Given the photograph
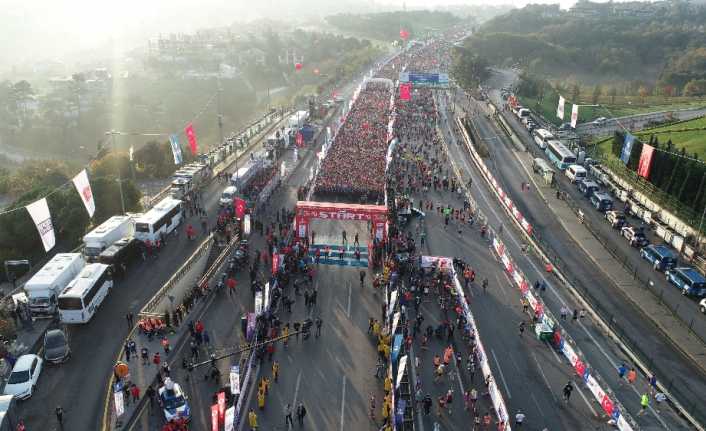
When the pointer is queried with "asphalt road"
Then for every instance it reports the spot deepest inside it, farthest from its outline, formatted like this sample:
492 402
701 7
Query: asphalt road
602 354
668 362
79 385
222 321
530 375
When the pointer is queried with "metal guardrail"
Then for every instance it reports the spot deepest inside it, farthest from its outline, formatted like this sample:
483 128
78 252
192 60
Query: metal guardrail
204 247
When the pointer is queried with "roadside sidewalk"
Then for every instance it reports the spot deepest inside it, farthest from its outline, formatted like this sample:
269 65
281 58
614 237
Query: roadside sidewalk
675 330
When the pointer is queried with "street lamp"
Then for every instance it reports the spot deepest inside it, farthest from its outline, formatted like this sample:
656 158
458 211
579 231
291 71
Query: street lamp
112 134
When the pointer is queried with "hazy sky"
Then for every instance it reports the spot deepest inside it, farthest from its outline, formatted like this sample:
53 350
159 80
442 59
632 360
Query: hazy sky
30 29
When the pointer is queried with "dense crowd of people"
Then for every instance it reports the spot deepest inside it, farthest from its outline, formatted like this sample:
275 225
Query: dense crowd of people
355 163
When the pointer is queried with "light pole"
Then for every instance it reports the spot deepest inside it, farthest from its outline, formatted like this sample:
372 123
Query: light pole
112 134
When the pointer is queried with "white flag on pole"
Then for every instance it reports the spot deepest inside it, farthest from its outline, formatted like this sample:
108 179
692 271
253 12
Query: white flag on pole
229 419
39 211
560 108
83 187
132 152
400 371
574 115
119 403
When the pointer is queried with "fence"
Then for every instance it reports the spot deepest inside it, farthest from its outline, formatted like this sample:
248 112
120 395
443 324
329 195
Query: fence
150 308
686 404
644 281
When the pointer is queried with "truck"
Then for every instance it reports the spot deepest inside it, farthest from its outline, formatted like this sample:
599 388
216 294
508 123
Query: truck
44 287
298 119
188 178
106 234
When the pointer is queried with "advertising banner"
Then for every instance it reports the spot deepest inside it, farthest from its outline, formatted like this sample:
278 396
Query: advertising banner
176 149
643 168
214 417
234 379
560 108
83 187
400 371
39 211
627 148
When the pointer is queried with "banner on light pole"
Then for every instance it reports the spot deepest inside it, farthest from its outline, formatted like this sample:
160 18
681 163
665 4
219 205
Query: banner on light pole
574 115
39 211
83 187
560 108
235 380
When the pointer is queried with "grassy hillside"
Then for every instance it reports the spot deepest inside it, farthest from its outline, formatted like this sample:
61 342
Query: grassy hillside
604 47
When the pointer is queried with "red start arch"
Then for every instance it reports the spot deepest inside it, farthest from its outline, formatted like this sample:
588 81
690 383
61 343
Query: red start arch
375 214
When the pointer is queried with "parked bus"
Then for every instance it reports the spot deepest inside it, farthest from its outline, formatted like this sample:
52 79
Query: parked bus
561 156
541 137
162 219
85 293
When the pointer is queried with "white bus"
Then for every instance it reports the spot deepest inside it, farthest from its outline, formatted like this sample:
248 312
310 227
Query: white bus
85 293
161 219
541 137
561 156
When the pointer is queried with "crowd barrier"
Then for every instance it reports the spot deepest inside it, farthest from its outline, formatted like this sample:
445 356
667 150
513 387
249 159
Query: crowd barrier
545 323
504 198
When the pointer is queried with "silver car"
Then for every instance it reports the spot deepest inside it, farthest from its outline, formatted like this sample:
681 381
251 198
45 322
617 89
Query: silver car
56 346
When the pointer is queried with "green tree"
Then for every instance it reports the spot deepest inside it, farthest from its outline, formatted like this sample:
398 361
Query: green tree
468 69
695 87
597 90
612 93
575 93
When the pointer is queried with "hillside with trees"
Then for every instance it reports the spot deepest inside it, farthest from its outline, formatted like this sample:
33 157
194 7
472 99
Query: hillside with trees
662 45
387 25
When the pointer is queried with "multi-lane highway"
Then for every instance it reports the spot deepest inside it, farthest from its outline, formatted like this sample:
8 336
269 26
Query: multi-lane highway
602 354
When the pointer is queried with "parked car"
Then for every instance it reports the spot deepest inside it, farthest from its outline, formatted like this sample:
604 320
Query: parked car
702 305
173 401
661 257
615 218
24 376
688 280
587 187
599 121
635 236
601 201
56 346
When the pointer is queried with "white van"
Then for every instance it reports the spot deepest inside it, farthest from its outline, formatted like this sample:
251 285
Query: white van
228 195
575 173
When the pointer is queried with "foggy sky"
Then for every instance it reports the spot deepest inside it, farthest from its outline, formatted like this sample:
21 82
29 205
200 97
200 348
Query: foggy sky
32 30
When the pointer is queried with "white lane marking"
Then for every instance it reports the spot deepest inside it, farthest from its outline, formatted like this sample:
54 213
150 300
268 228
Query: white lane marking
420 421
558 359
296 394
552 289
250 393
537 404
590 407
343 400
502 376
348 309
546 381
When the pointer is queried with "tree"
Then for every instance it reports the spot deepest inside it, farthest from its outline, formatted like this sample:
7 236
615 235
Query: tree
575 93
469 69
695 87
597 90
643 92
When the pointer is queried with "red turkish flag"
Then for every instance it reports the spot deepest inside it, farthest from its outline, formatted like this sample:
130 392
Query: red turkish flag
191 136
404 34
239 207
214 417
405 91
221 406
643 168
607 405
